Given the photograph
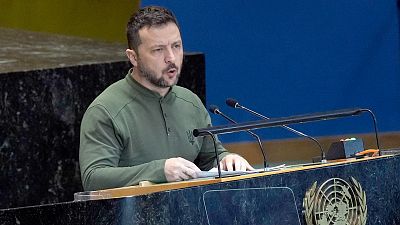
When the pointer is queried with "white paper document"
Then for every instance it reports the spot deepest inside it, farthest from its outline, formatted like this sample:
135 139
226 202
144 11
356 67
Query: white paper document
214 172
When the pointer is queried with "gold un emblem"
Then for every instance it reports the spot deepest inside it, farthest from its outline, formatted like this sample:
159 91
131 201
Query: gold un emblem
336 202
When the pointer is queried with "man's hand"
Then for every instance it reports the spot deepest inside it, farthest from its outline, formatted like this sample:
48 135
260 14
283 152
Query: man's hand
177 169
233 162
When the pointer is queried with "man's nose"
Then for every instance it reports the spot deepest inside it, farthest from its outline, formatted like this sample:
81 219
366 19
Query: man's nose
169 56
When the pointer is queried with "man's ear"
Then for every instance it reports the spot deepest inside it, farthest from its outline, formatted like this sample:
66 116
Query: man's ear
132 56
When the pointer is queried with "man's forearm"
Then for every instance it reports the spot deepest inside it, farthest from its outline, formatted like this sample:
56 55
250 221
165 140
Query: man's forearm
98 178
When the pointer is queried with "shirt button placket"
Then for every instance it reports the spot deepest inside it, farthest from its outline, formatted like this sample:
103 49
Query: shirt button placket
165 119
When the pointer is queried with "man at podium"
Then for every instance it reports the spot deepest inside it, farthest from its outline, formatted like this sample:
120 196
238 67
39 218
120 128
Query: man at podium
140 128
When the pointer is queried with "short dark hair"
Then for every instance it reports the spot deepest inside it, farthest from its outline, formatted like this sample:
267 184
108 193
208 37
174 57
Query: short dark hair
146 17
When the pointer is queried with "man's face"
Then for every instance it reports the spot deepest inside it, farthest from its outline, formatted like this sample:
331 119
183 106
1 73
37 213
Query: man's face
160 56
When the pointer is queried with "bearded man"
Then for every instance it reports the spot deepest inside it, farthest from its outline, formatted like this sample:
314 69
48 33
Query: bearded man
137 129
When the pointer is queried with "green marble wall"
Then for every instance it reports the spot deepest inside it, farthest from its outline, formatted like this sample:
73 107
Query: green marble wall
96 19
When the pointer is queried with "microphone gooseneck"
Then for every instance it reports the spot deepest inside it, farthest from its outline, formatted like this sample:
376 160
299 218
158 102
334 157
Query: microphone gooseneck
375 129
235 104
215 110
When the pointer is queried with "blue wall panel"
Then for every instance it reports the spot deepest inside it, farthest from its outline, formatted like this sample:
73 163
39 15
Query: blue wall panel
288 57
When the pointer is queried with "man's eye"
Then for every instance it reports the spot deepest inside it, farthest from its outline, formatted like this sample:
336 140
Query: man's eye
177 46
157 50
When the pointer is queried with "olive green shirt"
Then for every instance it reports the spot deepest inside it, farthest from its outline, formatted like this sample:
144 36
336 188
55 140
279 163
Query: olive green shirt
128 132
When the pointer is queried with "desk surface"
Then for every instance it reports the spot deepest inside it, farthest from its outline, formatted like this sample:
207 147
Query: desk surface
25 51
148 188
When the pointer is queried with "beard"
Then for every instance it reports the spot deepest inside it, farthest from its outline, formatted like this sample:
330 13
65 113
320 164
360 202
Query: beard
151 76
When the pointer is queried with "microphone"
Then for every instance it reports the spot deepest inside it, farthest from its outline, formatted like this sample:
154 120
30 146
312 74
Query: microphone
214 109
235 104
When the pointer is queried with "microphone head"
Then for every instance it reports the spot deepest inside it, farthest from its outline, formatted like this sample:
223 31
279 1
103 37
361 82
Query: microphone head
214 109
232 102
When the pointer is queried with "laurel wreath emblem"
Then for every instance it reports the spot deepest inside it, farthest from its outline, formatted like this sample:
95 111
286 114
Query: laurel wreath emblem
308 203
319 203
362 199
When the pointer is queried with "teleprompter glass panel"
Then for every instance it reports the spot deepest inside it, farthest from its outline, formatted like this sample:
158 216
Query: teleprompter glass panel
258 206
